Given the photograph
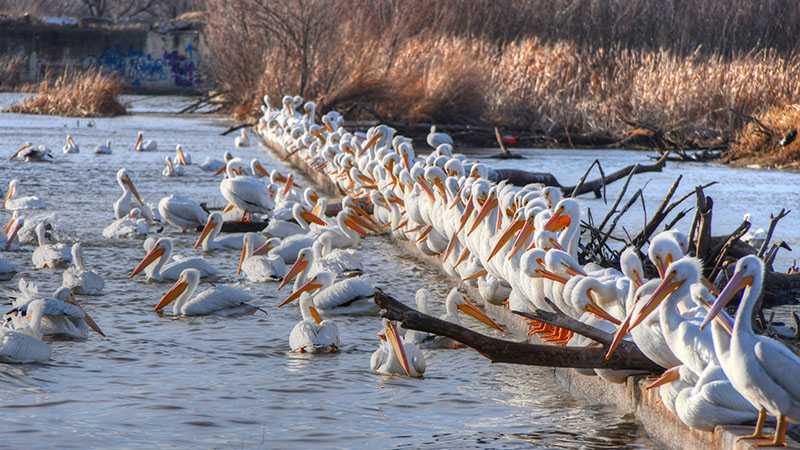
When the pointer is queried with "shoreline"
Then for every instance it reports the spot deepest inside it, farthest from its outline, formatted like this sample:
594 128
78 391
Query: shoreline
629 397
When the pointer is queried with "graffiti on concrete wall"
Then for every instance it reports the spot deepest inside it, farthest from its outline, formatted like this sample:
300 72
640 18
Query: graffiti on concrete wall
141 69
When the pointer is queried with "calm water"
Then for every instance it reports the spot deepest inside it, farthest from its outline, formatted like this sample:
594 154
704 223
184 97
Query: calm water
231 383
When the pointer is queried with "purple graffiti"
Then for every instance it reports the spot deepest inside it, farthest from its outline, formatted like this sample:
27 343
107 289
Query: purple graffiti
181 67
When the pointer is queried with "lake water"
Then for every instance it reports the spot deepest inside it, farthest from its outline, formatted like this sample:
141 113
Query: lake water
231 383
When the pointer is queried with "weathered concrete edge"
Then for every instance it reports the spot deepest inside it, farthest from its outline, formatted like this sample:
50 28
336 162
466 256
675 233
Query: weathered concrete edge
630 397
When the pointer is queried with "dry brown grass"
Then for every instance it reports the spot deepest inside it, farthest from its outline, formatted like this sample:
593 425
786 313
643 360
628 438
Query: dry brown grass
760 141
84 94
546 66
11 68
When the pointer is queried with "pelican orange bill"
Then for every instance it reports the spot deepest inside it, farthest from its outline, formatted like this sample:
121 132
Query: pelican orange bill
557 222
667 286
312 218
735 284
174 292
148 259
473 311
522 238
487 208
298 266
399 348
506 236
204 234
311 285
670 375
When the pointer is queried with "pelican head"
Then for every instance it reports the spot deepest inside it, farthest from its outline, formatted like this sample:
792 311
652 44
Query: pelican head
560 262
534 265
566 212
12 191
631 266
213 223
680 275
187 281
456 302
749 272
318 282
663 250
160 250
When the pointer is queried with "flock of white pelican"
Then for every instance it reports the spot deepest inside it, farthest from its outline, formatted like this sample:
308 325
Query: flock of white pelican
516 245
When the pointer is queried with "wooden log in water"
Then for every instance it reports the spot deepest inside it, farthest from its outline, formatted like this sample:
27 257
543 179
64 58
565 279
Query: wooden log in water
627 356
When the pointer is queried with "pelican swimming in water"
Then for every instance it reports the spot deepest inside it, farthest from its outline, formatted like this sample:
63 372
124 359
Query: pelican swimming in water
182 158
159 253
78 278
132 226
219 299
124 204
29 153
214 165
454 304
103 149
64 318
46 255
170 169
24 343
13 203
331 297
257 265
313 334
182 212
435 139
396 357
70 146
762 369
243 139
209 240
140 145
247 193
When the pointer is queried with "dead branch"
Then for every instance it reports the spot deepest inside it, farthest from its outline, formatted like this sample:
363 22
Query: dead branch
773 222
502 351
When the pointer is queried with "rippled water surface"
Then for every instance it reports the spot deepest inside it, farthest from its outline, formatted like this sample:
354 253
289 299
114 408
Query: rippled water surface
231 383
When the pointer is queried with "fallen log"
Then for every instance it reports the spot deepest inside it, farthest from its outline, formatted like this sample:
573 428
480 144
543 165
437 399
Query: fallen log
627 357
523 177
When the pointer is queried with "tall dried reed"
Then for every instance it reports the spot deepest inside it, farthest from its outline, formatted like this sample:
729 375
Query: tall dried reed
556 65
84 94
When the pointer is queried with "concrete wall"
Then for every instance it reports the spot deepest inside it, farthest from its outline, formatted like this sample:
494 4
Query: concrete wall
165 59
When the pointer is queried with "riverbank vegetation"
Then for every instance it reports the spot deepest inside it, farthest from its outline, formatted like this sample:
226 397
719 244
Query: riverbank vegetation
76 94
559 69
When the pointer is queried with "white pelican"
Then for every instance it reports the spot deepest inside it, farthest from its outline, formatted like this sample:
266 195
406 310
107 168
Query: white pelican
396 357
213 165
182 212
310 262
762 369
312 334
242 140
435 139
7 269
182 158
144 146
29 153
301 224
48 255
70 146
247 193
349 296
79 279
13 204
123 205
219 299
64 318
129 227
103 149
170 169
706 400
454 304
160 252
209 239
258 266
24 344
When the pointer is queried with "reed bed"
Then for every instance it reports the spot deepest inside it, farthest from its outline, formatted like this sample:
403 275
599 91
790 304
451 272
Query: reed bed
548 67
75 94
